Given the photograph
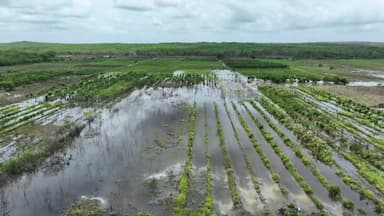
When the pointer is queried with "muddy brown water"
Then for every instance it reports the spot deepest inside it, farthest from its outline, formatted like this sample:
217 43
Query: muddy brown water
132 156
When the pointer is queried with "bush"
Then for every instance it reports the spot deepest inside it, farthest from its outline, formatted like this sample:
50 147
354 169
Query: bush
7 85
276 177
348 204
334 192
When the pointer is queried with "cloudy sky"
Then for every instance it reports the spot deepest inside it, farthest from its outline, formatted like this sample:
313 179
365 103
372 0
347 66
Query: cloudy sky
191 20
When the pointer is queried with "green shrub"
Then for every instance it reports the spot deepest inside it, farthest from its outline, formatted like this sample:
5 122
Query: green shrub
334 192
348 204
276 177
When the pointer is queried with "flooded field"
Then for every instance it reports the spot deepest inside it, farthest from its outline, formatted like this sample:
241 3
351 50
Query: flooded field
213 147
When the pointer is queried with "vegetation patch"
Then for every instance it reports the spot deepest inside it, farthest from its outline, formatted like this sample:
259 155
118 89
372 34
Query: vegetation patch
86 207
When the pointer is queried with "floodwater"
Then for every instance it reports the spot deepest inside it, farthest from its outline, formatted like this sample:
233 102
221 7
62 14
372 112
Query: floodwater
131 157
366 83
330 172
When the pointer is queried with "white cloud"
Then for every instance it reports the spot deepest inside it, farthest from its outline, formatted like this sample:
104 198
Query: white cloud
172 20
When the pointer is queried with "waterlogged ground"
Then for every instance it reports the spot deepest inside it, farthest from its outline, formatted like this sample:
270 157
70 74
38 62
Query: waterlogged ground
131 157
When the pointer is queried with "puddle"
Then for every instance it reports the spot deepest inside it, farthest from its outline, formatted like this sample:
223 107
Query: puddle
366 83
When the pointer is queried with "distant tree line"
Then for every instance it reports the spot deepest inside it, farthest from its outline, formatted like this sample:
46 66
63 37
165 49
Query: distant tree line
13 57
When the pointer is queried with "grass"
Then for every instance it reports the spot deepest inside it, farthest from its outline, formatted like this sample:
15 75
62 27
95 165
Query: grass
29 160
373 64
253 63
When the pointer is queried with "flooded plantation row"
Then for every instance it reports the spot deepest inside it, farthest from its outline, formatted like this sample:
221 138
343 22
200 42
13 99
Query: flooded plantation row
205 145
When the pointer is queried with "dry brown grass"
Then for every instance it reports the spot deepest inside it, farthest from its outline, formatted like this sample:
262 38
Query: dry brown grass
369 96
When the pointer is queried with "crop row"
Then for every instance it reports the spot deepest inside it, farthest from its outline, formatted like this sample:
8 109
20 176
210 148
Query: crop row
188 79
10 110
7 108
207 207
287 162
302 135
102 87
359 112
319 148
259 150
333 190
254 179
227 162
30 117
180 202
373 174
306 114
357 146
356 131
21 112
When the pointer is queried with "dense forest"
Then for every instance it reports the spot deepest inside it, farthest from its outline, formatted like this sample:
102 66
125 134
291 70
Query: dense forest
36 52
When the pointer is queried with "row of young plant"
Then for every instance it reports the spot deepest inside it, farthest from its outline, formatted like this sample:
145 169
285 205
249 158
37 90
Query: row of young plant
355 141
254 179
359 144
32 115
361 113
318 147
227 162
207 207
306 113
19 112
210 79
187 79
368 162
355 130
287 162
103 87
180 201
333 190
260 151
9 110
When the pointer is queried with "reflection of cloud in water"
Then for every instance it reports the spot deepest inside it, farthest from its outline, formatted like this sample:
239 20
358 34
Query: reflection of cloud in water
365 83
103 202
176 169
